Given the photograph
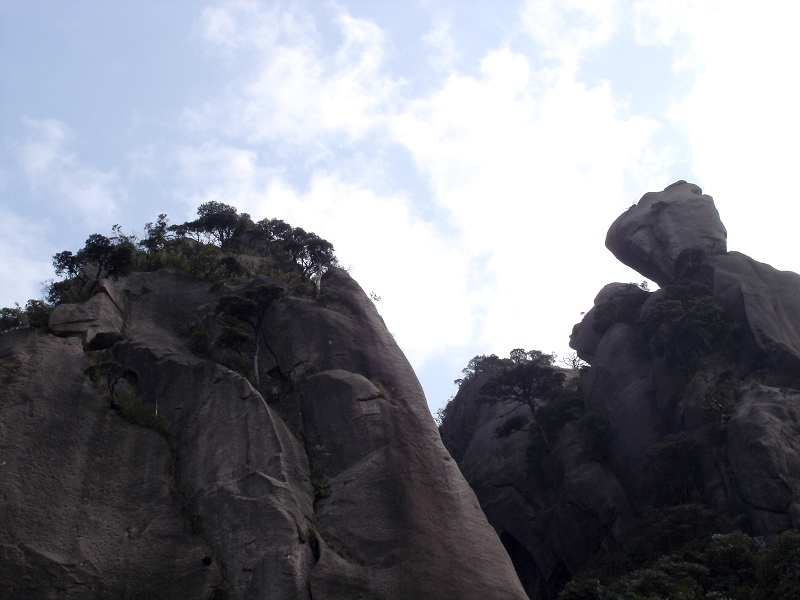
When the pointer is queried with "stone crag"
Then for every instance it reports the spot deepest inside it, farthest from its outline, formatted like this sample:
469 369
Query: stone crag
722 392
332 483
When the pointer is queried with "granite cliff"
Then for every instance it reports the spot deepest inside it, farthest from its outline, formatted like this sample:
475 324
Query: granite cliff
140 458
218 411
680 431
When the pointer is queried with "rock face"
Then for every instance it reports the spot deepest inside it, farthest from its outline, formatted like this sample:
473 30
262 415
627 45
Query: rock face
707 368
767 303
651 235
763 440
552 511
333 483
89 506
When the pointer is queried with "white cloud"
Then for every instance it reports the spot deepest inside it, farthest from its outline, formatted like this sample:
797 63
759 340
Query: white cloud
420 275
527 166
21 275
442 43
533 166
297 90
401 257
65 182
566 29
740 116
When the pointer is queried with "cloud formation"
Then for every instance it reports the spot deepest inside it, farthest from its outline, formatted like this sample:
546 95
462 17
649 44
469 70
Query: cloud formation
296 91
740 114
505 158
67 184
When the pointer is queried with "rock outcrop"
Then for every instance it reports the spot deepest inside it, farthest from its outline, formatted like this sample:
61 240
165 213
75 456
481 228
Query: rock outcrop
552 510
653 388
650 236
330 483
98 321
700 378
766 302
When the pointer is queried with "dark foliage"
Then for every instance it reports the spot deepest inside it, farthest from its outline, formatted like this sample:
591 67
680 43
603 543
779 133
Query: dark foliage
529 377
667 472
111 373
686 324
306 250
248 309
482 364
35 315
685 552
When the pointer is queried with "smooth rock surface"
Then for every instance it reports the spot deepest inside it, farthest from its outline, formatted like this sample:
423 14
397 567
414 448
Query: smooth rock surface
89 509
395 509
388 515
246 476
584 338
651 234
620 386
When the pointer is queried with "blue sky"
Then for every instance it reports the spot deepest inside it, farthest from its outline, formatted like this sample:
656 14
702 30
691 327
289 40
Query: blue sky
464 158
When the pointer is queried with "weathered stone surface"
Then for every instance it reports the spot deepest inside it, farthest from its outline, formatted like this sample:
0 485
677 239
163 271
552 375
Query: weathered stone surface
89 509
350 336
553 509
650 235
585 338
98 321
392 516
246 476
396 509
767 303
763 441
620 387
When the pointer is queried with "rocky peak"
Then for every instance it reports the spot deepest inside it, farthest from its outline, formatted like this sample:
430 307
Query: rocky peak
330 481
688 420
651 235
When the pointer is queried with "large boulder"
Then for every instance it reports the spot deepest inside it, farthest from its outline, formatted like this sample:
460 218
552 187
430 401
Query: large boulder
651 234
98 321
619 302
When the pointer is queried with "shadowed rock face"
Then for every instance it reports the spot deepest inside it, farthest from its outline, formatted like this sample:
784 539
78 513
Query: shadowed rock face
347 493
763 441
735 406
552 510
767 303
651 234
750 470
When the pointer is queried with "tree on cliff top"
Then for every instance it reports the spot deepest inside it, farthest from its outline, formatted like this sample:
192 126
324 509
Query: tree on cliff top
216 223
109 257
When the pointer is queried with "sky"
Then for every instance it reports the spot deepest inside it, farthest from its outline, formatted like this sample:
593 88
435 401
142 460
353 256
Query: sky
464 157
